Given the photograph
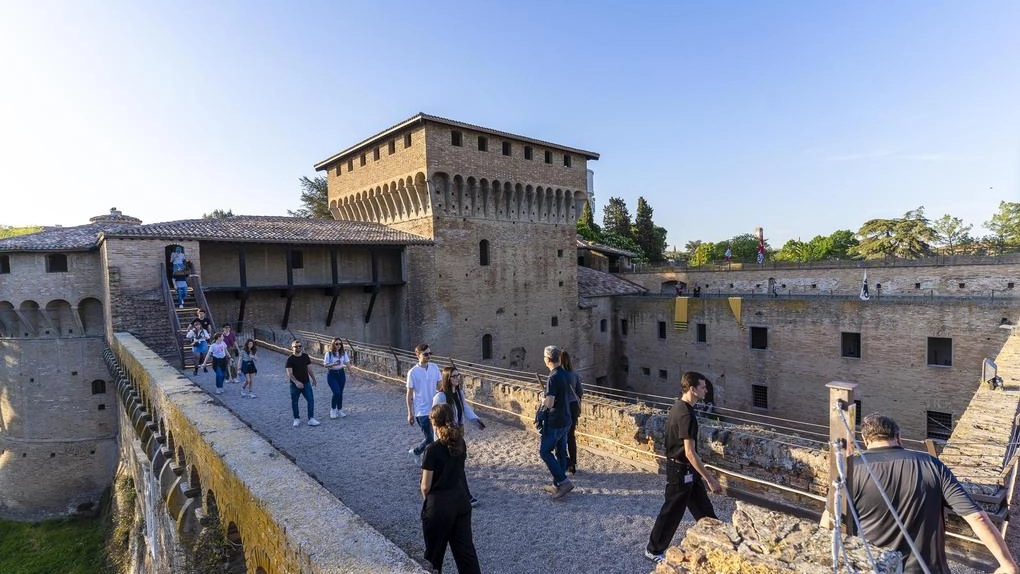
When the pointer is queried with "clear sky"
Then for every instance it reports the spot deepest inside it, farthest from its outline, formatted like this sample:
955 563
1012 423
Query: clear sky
800 117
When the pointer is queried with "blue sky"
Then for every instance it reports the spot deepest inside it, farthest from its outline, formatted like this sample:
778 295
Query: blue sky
800 117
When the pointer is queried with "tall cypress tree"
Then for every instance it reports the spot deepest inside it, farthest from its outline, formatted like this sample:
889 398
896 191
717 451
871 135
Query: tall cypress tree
645 234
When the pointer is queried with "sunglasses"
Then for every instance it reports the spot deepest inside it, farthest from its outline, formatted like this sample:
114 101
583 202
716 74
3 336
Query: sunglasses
426 353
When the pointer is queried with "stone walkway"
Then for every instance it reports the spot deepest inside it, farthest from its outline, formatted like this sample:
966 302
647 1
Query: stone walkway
602 526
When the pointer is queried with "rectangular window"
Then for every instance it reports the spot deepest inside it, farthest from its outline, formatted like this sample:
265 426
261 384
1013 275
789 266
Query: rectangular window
759 396
603 325
375 154
663 374
646 371
566 160
350 165
702 333
5 263
527 152
623 326
506 148
939 425
297 259
548 156
456 138
364 160
559 253
338 170
56 263
483 143
393 147
759 338
858 416
407 140
940 351
851 345
555 321
662 329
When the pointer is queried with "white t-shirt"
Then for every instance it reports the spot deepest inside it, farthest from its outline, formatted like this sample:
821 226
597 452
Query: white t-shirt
424 381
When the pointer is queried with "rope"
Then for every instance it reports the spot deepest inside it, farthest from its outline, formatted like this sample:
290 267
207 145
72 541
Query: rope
885 497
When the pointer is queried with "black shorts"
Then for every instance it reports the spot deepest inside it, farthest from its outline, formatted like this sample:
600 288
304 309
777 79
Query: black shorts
248 367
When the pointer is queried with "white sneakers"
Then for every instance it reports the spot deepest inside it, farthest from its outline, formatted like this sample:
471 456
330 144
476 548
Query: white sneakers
297 422
244 393
332 413
341 413
337 413
312 422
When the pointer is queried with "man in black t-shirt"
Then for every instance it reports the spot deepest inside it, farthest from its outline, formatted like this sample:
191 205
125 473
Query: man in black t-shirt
301 380
686 476
920 487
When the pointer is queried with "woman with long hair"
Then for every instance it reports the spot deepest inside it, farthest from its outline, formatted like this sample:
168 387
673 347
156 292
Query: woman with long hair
451 392
335 361
199 338
574 393
220 358
446 510
248 368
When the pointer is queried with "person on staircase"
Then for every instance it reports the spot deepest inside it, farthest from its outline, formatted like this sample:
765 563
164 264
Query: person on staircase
179 270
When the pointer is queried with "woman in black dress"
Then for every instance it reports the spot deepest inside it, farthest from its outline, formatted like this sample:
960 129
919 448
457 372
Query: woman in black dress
446 511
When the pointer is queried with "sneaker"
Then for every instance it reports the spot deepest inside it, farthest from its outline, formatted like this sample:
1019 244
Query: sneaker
655 557
252 395
550 488
297 422
312 422
244 393
564 487
571 469
219 391
416 456
474 502
340 413
181 306
332 413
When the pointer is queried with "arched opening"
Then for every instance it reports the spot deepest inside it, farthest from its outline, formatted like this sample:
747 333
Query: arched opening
486 346
90 311
483 252
98 387
31 318
61 318
8 320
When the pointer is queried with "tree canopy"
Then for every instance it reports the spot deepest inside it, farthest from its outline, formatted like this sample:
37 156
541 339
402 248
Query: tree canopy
314 199
1005 224
616 218
951 233
909 237
647 235
218 214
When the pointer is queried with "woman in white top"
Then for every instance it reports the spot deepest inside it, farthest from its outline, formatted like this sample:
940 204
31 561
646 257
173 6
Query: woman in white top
219 355
451 392
199 339
335 361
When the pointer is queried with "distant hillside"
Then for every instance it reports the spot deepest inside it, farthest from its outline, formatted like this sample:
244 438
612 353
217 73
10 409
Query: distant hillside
8 231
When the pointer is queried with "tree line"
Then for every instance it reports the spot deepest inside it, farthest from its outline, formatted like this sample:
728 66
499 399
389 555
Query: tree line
911 236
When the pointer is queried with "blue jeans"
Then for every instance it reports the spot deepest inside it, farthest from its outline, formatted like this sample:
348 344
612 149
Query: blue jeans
426 427
309 398
336 378
182 291
220 367
555 440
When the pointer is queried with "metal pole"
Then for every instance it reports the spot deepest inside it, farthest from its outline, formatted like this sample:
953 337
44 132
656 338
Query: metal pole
841 398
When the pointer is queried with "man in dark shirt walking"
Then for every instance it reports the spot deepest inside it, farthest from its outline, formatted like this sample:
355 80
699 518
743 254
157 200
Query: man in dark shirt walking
686 476
557 424
301 380
919 486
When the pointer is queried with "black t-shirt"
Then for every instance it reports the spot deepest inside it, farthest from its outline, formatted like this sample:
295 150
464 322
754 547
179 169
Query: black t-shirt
681 425
556 386
299 366
447 470
920 487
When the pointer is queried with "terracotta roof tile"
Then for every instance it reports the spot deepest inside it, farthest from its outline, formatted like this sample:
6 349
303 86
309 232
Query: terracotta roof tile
594 283
239 229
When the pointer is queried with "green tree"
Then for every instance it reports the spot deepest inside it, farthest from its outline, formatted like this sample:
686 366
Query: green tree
10 231
586 226
743 247
620 242
314 199
616 218
645 234
702 253
908 237
843 244
951 233
218 214
1005 224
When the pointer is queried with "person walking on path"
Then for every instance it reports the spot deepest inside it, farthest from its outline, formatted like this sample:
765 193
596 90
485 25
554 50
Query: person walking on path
301 380
421 386
575 391
199 338
446 509
248 369
335 361
220 357
451 392
232 365
557 424
920 487
686 476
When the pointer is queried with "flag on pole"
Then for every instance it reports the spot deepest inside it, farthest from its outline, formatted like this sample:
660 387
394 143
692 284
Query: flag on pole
761 246
864 287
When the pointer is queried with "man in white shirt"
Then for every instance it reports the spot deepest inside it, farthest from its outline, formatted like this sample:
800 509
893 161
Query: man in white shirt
422 382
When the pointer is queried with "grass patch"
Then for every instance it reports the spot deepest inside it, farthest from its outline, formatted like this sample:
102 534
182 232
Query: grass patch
66 545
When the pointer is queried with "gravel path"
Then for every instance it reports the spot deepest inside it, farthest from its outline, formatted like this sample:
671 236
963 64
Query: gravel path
602 526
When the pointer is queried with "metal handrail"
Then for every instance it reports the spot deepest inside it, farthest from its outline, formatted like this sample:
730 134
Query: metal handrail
174 321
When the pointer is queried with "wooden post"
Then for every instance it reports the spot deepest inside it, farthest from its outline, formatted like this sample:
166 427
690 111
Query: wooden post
841 397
